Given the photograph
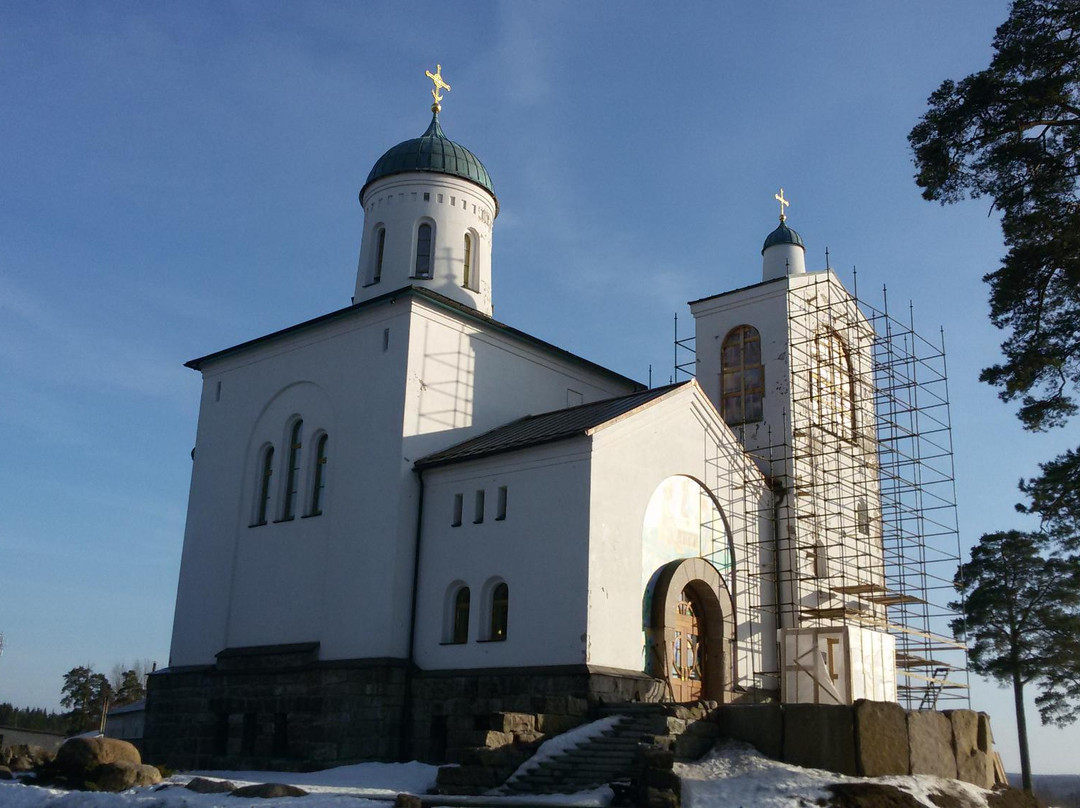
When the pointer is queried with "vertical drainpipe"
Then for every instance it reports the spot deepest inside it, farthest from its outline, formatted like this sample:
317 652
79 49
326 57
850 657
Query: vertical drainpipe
406 710
779 494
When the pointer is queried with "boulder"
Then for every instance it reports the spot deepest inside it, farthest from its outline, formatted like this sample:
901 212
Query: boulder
116 776
269 791
965 731
204 785
5 773
881 738
147 775
81 756
22 764
930 744
820 736
761 725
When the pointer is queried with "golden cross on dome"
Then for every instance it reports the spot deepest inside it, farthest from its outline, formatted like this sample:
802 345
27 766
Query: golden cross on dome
783 203
437 79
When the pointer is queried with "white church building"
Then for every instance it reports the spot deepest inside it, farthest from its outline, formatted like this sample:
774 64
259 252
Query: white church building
406 511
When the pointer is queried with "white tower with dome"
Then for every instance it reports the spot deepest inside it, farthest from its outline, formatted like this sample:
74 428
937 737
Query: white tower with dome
429 207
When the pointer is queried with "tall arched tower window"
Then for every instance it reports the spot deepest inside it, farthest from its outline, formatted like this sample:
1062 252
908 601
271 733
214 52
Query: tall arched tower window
424 251
832 384
468 281
292 480
742 377
380 250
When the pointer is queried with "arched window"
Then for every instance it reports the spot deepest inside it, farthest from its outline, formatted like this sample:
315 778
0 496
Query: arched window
292 479
468 280
832 385
262 506
500 610
461 616
318 482
742 377
424 251
380 249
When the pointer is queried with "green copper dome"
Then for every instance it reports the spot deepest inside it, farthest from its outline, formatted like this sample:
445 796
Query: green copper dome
782 235
432 151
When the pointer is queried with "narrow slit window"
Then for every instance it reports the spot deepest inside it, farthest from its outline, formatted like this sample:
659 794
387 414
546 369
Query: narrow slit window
292 480
478 516
500 611
500 505
264 486
318 485
458 507
423 251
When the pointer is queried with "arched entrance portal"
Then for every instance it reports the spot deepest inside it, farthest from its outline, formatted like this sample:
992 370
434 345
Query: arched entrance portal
692 627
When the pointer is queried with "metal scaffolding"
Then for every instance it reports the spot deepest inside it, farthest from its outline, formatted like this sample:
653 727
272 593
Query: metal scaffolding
866 530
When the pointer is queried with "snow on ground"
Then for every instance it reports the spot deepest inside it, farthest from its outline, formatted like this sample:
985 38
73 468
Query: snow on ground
736 774
343 787
732 775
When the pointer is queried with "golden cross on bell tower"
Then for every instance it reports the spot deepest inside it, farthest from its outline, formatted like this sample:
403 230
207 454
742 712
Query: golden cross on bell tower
783 203
437 79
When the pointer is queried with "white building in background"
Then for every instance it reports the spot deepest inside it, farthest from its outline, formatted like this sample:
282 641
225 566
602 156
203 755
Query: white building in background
404 512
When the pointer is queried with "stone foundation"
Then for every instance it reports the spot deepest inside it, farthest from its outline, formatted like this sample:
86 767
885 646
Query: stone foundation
275 708
280 707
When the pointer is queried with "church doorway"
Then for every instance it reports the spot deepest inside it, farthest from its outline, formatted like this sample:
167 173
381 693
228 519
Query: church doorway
691 630
687 651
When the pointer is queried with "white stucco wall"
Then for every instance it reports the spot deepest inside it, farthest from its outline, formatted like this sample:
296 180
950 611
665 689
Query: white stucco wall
343 578
306 579
540 550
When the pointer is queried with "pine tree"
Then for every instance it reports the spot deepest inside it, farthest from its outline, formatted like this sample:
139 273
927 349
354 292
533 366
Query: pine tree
1021 616
85 694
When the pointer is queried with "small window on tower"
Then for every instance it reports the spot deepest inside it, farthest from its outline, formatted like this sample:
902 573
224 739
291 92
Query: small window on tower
500 505
468 281
423 251
380 248
427 196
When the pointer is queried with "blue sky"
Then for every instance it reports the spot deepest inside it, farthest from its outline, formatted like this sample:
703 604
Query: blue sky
181 177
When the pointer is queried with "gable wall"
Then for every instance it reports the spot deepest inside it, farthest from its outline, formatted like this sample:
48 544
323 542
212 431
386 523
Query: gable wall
679 435
307 579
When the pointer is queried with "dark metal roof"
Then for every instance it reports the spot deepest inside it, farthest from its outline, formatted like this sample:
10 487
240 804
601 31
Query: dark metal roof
782 235
461 310
432 151
534 430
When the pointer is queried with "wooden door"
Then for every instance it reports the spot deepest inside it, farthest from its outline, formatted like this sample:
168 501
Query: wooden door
687 652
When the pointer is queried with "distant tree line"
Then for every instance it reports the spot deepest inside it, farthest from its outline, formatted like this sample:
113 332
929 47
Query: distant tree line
32 718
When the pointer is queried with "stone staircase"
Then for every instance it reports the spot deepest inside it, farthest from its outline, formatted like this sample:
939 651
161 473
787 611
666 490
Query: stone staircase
594 761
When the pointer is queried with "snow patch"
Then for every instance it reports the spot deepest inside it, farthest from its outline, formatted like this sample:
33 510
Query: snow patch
554 747
736 774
